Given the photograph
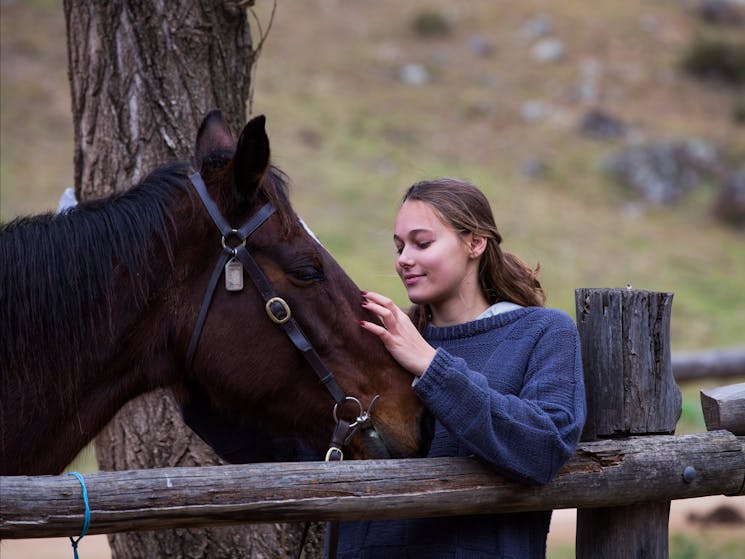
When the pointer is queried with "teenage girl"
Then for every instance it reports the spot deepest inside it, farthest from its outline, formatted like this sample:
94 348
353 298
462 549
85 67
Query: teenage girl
501 373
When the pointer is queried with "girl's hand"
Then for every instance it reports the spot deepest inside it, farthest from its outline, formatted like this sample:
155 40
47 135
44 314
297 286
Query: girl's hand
399 335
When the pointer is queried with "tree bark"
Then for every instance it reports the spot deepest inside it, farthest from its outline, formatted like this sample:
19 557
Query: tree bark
142 75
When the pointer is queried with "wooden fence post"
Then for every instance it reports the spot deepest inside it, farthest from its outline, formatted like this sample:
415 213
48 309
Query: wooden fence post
625 336
724 408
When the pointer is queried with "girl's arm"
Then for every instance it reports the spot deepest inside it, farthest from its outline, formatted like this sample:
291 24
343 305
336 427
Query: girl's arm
528 435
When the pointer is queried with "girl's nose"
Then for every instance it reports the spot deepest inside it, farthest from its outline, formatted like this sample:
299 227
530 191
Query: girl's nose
404 260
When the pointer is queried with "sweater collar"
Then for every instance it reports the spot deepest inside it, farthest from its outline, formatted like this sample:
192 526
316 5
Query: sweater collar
485 322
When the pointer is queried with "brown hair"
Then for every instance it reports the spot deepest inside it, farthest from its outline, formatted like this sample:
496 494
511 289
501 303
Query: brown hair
503 276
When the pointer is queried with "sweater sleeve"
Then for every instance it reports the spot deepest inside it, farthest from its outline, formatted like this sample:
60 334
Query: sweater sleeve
526 435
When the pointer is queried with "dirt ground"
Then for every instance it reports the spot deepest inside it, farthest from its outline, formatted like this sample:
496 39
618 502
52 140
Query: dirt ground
562 531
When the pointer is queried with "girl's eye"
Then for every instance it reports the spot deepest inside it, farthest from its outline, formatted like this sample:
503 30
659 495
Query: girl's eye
421 245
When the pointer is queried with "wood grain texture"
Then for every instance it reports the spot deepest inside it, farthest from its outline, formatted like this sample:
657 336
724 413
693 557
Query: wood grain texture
614 472
625 337
724 408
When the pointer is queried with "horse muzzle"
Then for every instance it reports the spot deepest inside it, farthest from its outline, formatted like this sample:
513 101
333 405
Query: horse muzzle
369 437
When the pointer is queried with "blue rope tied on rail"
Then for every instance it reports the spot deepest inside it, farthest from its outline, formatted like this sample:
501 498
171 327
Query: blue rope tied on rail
87 520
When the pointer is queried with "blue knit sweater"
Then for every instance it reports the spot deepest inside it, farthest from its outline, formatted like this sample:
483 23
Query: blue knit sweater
508 389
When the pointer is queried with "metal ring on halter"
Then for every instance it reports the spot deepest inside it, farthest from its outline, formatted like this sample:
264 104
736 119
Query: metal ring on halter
365 415
233 233
353 399
363 421
285 307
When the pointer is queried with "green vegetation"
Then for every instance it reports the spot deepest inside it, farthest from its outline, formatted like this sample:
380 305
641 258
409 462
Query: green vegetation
682 546
352 136
430 23
738 110
563 551
716 58
374 135
691 417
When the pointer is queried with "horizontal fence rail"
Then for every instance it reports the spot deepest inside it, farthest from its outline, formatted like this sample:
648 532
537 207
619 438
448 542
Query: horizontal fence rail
610 472
711 363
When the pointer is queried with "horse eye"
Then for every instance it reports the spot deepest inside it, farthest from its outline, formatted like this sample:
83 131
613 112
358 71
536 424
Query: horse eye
306 275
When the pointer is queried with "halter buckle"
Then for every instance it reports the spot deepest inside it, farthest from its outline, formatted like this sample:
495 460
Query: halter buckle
334 454
278 310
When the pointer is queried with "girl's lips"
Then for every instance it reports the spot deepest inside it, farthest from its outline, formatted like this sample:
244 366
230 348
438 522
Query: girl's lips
411 279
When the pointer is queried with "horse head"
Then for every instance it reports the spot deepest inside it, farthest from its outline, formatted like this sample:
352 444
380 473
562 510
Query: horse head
101 304
246 379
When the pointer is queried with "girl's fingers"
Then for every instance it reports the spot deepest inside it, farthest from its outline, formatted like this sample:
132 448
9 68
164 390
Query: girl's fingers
379 299
398 333
380 305
376 329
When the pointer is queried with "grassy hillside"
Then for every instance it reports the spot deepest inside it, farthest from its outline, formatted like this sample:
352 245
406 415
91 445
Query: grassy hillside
352 135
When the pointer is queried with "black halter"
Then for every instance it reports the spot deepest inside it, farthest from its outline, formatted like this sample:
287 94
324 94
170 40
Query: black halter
276 308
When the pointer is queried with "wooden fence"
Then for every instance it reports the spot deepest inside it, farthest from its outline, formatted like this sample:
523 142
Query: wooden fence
605 473
712 363
621 478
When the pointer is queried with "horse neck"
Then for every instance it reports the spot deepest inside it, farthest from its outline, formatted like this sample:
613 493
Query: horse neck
75 337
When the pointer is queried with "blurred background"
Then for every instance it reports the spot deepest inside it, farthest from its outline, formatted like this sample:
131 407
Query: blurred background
609 137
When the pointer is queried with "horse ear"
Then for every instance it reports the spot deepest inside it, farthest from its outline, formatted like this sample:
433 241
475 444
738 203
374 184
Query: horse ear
252 154
214 135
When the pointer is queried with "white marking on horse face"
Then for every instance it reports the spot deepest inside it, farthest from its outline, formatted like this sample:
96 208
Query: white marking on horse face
310 232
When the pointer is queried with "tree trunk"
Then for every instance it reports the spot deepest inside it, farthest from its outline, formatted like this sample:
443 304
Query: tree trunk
142 75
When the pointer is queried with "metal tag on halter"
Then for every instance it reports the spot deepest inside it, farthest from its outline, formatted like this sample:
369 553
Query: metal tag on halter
234 275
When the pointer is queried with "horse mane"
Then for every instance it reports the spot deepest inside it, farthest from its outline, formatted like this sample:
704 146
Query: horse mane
274 188
58 292
57 279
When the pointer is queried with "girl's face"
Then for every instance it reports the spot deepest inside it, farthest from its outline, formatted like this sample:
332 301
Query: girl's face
438 266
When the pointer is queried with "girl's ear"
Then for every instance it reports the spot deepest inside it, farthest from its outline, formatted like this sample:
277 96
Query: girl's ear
476 245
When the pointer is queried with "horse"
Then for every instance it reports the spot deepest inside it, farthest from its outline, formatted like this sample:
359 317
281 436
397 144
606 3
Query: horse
118 296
